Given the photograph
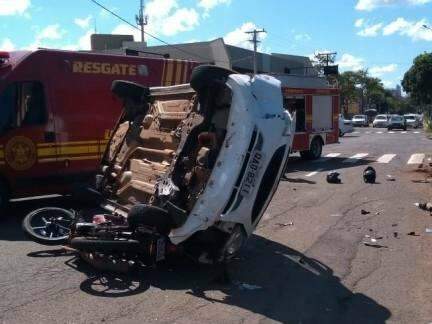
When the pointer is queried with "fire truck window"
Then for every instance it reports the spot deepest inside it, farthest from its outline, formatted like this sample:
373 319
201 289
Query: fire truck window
31 107
298 106
7 107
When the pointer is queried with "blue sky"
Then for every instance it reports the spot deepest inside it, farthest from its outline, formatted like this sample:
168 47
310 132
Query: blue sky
381 35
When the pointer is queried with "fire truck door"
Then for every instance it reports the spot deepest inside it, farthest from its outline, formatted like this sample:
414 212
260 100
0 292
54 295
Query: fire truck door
27 135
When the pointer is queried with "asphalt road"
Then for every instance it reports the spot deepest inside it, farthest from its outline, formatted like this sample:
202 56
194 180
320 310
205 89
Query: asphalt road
307 262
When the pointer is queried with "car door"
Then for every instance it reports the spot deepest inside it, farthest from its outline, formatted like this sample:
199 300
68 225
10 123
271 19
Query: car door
28 139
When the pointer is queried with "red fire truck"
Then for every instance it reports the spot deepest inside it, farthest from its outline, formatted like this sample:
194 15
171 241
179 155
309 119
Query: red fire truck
316 104
56 113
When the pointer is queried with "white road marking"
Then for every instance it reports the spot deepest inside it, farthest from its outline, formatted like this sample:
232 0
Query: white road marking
391 132
416 159
356 132
403 132
368 132
313 173
355 158
386 158
417 132
327 157
379 132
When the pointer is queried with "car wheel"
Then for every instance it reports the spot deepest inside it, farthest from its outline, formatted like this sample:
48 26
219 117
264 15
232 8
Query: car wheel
204 75
4 198
314 151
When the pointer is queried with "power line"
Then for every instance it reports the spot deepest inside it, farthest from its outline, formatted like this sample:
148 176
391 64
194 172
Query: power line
206 59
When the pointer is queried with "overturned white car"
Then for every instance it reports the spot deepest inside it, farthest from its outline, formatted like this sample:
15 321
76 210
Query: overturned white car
189 168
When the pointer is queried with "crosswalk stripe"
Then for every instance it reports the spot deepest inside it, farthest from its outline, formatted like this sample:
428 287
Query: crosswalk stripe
380 132
313 173
355 158
332 155
416 159
417 132
386 158
391 132
403 132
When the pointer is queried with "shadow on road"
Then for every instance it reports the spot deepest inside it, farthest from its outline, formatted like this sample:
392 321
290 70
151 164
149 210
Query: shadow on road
269 279
325 164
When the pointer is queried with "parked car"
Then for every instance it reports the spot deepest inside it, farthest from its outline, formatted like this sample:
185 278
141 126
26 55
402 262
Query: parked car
345 126
380 121
397 122
412 120
360 121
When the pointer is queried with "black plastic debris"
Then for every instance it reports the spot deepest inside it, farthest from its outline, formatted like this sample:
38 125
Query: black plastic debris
376 246
369 175
333 177
364 212
413 234
424 206
390 178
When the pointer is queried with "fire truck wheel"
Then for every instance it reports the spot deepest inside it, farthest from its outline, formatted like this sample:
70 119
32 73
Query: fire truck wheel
4 197
314 151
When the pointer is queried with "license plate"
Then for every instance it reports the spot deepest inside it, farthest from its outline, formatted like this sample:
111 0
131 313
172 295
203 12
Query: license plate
251 173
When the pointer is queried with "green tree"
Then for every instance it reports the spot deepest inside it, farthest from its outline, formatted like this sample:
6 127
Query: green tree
417 81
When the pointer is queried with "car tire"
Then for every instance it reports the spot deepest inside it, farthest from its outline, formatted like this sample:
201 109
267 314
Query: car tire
315 150
204 75
4 198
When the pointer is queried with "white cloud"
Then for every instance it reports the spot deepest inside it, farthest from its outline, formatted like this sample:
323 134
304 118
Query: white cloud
349 62
302 37
124 29
210 4
238 37
378 71
388 84
13 7
7 45
370 31
369 5
50 32
165 18
359 23
84 43
84 23
411 29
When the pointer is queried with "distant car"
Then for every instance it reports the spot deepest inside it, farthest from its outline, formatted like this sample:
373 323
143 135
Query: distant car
397 122
380 121
412 120
345 126
360 121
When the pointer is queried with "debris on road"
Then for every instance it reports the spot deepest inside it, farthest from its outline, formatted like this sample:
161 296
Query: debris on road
429 230
376 246
424 206
285 224
365 212
246 286
333 177
413 234
395 234
369 175
390 178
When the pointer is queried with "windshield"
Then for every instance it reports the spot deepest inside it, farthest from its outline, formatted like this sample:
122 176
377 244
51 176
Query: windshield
397 118
381 117
7 107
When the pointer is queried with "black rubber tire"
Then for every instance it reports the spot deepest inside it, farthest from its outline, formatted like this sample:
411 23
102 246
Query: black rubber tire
88 244
130 90
4 198
312 153
29 231
203 76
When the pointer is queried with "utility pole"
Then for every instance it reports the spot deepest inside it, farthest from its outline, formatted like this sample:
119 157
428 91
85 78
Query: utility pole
141 20
255 42
327 58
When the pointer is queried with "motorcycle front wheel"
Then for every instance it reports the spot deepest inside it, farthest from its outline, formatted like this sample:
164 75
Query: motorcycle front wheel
49 226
